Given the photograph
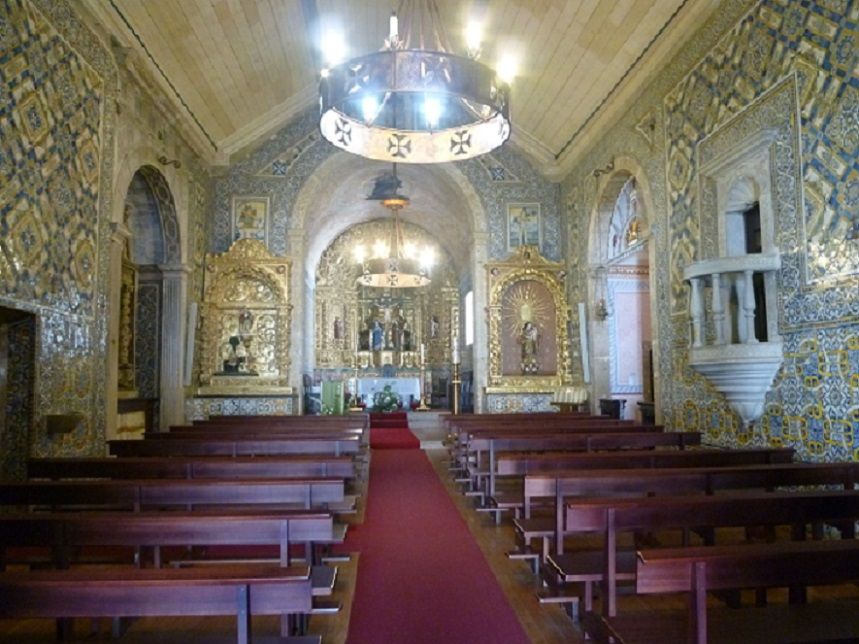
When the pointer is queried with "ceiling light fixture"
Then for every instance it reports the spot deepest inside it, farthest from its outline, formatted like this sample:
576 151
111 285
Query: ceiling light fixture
415 105
395 264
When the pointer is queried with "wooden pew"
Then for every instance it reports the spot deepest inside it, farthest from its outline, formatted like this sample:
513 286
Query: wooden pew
352 419
694 480
696 571
521 463
243 591
219 467
460 445
254 430
489 448
233 447
612 516
515 465
60 532
307 493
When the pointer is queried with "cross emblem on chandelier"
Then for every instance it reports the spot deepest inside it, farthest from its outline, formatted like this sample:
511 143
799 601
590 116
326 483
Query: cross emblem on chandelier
343 131
460 142
399 145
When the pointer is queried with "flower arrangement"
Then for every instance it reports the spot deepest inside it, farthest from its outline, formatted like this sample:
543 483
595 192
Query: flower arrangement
386 400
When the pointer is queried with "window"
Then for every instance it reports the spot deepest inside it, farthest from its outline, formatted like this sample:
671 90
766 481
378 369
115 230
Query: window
469 318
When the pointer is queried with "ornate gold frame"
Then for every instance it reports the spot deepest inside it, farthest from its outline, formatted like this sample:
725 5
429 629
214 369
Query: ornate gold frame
526 263
231 281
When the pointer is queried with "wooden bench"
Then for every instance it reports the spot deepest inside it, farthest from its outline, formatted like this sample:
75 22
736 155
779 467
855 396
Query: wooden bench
362 420
233 446
243 591
487 449
696 571
460 443
182 432
514 465
222 467
140 494
62 532
694 480
612 516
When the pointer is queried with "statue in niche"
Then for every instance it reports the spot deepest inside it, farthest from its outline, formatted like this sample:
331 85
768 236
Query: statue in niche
338 328
397 328
377 334
529 338
434 326
405 337
236 358
234 354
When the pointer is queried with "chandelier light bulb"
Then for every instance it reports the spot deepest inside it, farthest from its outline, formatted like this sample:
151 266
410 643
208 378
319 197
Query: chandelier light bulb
359 253
324 72
393 32
432 111
507 68
333 49
473 38
380 249
369 107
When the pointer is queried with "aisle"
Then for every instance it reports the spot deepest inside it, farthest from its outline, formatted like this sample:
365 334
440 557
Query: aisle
421 576
391 431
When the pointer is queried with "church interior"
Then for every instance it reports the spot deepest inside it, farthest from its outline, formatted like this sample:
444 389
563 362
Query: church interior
409 225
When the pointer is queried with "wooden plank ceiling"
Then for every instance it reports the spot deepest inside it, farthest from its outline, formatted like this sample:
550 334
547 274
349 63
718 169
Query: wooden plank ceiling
243 67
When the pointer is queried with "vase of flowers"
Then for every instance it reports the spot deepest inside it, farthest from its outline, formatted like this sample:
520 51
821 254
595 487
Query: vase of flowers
386 400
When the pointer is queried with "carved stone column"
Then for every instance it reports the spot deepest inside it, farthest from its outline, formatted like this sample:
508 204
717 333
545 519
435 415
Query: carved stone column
173 317
118 239
302 300
480 348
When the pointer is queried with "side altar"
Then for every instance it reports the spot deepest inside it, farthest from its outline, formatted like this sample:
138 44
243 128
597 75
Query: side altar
529 353
244 331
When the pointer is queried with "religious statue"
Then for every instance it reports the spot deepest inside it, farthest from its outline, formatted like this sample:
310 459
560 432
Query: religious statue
434 326
405 337
235 357
338 328
376 336
528 338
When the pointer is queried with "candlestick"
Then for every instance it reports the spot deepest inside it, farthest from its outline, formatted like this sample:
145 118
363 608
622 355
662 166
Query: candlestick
423 353
455 352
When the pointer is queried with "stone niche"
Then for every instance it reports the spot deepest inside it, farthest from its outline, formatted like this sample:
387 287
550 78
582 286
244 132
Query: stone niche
245 324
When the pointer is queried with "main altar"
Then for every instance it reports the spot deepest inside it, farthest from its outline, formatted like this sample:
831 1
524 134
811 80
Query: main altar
367 337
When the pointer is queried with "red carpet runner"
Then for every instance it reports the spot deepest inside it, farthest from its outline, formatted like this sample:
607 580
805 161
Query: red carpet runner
421 576
391 431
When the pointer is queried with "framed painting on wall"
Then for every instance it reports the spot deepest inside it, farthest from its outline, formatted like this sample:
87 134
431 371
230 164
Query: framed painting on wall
523 225
250 218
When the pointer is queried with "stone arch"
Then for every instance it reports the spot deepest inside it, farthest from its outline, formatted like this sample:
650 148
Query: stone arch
311 229
164 185
616 277
158 286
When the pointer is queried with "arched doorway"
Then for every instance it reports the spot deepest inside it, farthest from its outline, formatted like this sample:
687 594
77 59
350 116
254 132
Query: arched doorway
621 329
149 295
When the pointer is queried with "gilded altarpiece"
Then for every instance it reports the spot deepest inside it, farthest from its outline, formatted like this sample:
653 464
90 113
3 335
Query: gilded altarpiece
528 342
376 327
245 324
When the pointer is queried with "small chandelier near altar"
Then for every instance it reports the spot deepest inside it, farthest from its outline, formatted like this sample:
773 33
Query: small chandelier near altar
395 264
414 101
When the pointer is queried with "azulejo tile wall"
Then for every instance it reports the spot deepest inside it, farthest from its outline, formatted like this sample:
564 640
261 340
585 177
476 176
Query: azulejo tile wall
775 63
56 80
792 68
